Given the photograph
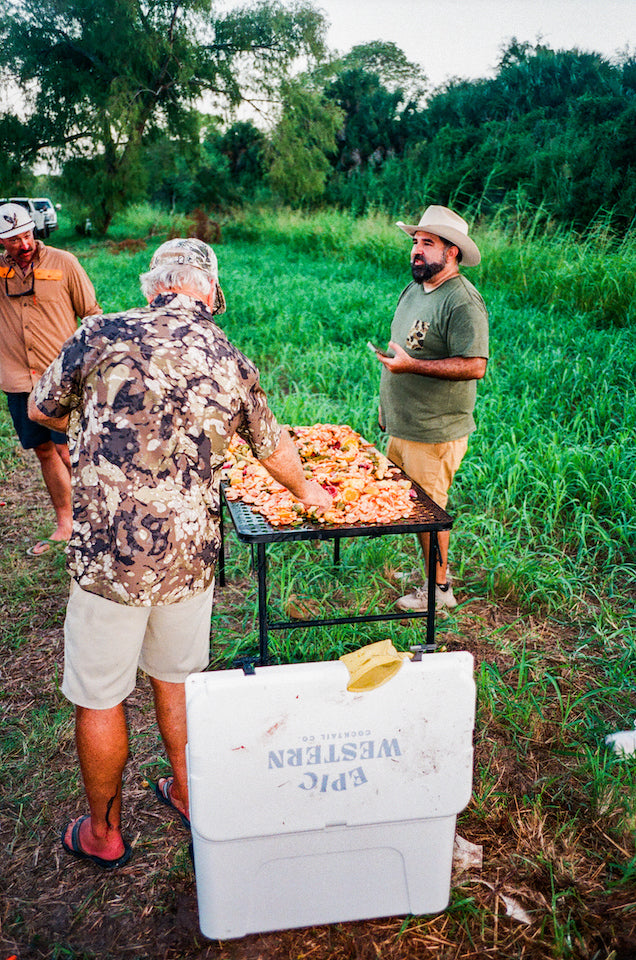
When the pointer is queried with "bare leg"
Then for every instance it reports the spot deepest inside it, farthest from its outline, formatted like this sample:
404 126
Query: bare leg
443 539
171 718
57 478
102 747
65 456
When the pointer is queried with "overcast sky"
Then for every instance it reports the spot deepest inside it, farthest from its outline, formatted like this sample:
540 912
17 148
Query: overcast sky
463 38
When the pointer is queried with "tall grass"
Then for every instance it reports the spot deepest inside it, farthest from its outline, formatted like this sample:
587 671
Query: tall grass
538 264
593 273
544 531
546 497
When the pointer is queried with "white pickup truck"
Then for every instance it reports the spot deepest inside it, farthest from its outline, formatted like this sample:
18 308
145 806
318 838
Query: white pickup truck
42 213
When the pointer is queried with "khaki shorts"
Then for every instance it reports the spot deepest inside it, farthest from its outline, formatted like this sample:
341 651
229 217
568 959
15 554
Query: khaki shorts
431 465
105 642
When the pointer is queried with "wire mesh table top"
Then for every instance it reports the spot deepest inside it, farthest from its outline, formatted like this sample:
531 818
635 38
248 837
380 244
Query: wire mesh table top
253 527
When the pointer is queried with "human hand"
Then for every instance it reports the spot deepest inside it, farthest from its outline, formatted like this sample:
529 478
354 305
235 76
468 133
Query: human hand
400 363
315 497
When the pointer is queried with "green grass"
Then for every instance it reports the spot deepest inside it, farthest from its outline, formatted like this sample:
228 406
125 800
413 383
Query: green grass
545 499
543 545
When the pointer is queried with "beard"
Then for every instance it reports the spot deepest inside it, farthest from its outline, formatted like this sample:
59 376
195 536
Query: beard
422 271
24 258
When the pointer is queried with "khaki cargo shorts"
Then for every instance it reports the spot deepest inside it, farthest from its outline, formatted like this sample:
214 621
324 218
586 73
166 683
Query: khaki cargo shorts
105 642
431 465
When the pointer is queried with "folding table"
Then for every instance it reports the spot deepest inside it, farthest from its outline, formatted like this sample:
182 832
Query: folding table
251 527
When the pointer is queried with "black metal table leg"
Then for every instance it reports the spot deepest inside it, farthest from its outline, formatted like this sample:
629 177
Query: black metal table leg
261 569
221 563
433 553
255 530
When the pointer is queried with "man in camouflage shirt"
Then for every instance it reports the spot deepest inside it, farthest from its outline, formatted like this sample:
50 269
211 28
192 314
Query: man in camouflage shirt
152 398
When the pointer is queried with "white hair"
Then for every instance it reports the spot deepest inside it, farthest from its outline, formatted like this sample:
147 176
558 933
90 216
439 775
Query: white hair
175 277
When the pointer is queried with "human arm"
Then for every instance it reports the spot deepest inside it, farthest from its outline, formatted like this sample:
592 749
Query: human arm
285 466
56 393
82 292
446 368
53 423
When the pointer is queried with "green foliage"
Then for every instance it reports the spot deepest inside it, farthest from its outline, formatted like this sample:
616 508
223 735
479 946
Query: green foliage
16 178
222 169
388 63
170 166
299 148
243 145
100 79
267 37
370 130
558 126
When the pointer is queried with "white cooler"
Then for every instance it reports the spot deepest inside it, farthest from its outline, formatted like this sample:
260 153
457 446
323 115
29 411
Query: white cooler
310 804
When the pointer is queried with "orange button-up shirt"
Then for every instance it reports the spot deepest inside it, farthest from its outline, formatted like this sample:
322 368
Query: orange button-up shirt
39 311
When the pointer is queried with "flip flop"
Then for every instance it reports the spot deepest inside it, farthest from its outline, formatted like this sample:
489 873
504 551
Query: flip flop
162 794
75 849
47 544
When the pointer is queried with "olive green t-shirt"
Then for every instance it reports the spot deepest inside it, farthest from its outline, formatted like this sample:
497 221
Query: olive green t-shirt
450 321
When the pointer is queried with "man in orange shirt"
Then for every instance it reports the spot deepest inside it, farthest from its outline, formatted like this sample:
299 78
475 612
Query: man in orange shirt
43 292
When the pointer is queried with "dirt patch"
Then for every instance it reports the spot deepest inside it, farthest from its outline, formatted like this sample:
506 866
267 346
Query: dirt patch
554 860
131 245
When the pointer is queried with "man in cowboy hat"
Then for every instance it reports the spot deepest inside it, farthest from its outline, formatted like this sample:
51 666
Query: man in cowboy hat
153 396
43 291
439 341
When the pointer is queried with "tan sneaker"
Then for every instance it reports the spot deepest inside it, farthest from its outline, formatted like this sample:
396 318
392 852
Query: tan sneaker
418 599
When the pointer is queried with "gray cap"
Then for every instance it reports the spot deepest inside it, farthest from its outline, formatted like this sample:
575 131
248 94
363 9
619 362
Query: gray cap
187 250
194 253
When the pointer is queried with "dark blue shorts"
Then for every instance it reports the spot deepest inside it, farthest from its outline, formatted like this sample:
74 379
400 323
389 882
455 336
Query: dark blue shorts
29 433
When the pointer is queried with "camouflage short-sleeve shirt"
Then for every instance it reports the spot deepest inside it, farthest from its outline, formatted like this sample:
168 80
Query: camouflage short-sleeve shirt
154 396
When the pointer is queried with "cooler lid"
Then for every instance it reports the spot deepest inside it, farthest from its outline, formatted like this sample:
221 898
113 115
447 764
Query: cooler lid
289 749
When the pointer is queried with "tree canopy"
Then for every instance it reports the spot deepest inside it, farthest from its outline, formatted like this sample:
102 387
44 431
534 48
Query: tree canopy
137 98
553 130
389 64
557 126
300 146
99 79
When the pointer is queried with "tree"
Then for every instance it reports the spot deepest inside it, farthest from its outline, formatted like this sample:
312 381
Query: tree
16 178
389 64
230 166
370 129
225 168
170 166
380 93
243 144
300 144
101 79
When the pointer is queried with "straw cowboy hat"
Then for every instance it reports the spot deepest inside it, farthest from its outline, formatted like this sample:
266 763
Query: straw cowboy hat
444 223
